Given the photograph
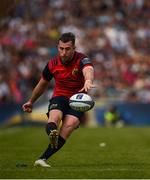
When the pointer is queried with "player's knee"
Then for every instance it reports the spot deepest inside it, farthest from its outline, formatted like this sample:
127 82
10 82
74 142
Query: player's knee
72 125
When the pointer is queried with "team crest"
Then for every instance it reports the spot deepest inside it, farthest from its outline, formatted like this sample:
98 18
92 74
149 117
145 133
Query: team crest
75 71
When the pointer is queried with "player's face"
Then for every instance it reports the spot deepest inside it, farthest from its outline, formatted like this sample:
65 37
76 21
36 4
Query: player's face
66 51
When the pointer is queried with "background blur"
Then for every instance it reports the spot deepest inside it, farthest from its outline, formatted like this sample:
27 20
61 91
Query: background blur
115 34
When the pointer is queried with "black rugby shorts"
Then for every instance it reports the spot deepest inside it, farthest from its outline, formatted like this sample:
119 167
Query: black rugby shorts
62 103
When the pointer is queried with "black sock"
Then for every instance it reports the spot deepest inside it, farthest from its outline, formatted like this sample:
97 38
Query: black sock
49 151
50 126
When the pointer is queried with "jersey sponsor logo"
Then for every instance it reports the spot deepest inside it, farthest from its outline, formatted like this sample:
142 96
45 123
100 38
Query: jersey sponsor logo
75 71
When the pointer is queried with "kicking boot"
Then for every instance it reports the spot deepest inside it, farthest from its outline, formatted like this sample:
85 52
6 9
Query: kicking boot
54 138
42 163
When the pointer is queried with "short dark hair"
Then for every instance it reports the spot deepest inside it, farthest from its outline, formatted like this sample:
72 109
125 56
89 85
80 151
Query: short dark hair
68 36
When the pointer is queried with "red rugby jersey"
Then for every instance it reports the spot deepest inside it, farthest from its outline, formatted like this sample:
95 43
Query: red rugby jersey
69 78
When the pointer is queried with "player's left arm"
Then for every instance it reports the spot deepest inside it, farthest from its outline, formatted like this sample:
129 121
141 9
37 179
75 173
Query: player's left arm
88 73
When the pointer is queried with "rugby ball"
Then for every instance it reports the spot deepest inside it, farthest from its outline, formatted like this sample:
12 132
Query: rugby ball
81 102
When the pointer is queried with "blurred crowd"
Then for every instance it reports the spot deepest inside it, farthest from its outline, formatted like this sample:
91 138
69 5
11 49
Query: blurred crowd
115 34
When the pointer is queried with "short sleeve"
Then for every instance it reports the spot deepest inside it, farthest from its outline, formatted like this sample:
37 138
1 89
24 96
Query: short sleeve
84 62
46 74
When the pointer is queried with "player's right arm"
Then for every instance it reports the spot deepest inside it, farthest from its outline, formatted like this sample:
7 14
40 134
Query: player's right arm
37 92
39 89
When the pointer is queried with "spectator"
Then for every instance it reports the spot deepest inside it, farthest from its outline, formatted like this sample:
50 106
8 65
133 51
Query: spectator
112 117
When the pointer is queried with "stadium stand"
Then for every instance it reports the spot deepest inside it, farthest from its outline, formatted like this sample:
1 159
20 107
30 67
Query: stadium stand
116 39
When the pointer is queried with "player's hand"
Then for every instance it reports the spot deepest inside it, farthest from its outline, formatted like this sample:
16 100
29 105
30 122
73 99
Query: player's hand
27 107
87 86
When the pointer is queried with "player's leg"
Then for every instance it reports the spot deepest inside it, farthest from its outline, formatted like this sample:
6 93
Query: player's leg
70 122
54 119
51 129
69 125
56 110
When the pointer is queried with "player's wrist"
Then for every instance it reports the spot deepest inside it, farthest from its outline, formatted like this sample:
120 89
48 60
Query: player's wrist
88 80
30 101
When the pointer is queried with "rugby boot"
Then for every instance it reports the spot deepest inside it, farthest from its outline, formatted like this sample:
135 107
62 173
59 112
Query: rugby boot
42 163
54 138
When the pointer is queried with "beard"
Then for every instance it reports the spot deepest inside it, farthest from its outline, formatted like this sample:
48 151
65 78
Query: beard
66 60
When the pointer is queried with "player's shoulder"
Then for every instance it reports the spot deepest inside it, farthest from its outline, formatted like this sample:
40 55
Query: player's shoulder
80 55
84 60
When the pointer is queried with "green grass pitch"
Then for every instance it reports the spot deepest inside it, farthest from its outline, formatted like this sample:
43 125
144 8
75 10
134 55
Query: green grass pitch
90 153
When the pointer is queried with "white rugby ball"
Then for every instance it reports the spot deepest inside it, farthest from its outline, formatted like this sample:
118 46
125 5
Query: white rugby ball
81 102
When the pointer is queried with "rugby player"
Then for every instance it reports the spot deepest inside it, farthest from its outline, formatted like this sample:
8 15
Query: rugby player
73 72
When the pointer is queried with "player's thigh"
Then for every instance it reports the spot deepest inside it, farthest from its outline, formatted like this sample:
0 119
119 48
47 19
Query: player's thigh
57 109
70 123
